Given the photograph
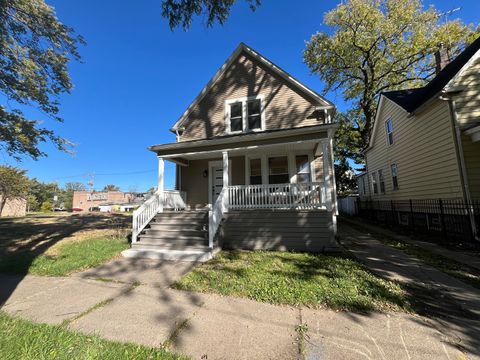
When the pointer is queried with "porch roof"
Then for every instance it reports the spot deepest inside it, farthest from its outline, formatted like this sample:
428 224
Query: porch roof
244 141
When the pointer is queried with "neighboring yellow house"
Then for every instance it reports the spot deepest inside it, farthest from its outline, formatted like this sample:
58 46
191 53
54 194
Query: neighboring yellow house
426 142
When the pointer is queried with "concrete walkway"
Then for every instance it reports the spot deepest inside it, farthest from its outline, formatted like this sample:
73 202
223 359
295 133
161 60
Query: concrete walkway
130 300
452 306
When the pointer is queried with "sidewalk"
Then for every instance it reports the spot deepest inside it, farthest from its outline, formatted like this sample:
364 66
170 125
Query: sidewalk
137 305
454 305
458 256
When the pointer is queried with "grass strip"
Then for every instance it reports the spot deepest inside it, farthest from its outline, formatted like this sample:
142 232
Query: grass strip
22 339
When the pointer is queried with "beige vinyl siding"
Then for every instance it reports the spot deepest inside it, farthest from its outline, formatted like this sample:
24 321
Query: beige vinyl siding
246 77
467 102
423 151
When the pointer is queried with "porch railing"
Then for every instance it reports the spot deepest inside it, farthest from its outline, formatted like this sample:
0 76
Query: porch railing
155 204
276 196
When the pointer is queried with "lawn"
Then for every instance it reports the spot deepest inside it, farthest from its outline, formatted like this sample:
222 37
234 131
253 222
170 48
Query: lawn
25 340
65 258
58 245
335 281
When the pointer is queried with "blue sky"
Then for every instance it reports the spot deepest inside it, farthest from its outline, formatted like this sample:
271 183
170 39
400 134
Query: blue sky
138 77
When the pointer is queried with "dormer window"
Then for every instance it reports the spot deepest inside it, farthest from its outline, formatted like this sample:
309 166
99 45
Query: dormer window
245 114
389 128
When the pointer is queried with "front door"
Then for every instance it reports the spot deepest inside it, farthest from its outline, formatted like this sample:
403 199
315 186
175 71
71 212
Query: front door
216 183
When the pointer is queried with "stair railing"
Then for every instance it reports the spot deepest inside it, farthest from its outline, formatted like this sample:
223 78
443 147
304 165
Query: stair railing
215 215
145 213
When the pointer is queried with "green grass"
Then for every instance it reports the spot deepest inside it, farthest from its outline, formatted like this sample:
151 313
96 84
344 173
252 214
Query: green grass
338 282
69 257
451 267
25 340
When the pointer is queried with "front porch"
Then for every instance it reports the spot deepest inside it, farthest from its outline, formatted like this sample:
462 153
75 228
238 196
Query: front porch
294 176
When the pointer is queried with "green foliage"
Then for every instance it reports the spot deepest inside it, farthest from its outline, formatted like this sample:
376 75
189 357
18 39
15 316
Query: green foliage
13 183
32 203
47 206
22 339
345 180
295 279
180 12
380 45
111 187
35 49
69 257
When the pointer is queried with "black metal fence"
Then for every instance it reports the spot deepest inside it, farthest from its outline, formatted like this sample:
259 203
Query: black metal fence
446 220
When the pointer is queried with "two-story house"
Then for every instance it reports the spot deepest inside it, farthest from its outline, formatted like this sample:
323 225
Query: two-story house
425 144
254 168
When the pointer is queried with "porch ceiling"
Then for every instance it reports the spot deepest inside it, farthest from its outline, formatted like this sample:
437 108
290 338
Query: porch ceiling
307 146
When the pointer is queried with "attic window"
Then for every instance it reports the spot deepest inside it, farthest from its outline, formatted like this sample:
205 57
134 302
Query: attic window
245 114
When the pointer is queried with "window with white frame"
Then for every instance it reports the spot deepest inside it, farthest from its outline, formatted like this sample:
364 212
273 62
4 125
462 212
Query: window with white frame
374 183
278 170
389 129
236 116
254 114
244 114
255 172
394 171
381 181
302 164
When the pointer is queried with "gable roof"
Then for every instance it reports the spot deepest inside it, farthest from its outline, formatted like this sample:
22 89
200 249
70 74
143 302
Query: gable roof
412 99
257 56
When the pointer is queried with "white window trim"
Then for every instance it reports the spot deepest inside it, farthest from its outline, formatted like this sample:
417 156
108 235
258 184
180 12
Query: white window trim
292 169
244 101
387 133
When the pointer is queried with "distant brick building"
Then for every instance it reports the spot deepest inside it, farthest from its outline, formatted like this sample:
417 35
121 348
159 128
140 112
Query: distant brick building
86 200
14 207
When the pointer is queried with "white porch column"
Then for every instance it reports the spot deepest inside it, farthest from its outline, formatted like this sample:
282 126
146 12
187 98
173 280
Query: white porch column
161 176
327 179
226 181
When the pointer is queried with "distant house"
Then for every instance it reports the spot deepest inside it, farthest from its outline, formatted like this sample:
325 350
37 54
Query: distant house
14 207
426 142
254 168
86 200
424 151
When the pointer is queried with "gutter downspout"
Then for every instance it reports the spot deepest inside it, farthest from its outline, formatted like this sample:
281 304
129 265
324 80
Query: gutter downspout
461 159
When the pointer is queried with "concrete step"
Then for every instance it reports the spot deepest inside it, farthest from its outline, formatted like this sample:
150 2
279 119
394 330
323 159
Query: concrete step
167 254
170 245
175 232
191 226
169 237
182 215
278 228
179 221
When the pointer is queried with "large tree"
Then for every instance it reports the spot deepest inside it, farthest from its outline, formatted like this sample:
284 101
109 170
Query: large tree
35 50
379 45
111 187
181 12
13 184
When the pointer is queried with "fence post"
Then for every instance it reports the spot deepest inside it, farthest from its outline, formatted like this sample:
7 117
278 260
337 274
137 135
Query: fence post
442 219
412 215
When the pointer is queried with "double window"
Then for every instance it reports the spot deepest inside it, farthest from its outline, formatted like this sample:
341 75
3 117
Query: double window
244 115
389 129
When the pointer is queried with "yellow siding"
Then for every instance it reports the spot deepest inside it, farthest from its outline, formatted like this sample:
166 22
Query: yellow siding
467 102
423 151
284 107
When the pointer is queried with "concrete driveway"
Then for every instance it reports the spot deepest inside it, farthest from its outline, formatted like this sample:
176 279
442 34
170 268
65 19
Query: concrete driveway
132 301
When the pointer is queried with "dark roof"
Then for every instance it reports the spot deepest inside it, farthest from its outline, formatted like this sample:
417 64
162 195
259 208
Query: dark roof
412 99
